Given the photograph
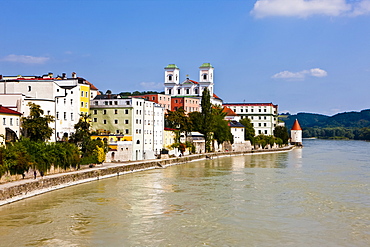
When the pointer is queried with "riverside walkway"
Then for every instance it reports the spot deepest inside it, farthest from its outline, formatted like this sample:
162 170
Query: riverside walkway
24 188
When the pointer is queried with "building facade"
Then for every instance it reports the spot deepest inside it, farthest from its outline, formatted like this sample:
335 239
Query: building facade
263 116
190 88
61 97
135 118
9 125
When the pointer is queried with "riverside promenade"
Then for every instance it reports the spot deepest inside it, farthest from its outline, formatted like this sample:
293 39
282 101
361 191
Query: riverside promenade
25 188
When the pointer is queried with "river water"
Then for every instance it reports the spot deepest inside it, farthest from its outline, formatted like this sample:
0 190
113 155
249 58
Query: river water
315 196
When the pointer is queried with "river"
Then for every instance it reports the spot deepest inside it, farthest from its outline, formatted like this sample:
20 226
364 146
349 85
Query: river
315 196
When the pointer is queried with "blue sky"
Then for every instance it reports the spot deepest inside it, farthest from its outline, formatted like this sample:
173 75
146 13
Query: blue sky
304 55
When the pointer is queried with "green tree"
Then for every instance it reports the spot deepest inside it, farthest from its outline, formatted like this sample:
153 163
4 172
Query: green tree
282 133
206 124
178 121
249 131
221 128
36 126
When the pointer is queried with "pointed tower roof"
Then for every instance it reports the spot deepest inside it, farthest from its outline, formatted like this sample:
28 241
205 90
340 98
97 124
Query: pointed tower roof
296 125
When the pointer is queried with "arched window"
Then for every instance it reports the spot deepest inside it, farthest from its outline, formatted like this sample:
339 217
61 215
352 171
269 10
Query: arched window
204 76
170 77
138 142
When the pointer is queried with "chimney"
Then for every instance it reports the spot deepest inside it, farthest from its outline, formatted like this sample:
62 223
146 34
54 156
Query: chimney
64 76
74 75
50 75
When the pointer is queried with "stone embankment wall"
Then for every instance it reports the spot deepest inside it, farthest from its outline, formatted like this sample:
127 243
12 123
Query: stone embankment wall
21 189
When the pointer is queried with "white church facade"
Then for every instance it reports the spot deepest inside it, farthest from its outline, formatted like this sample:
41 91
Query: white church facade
190 88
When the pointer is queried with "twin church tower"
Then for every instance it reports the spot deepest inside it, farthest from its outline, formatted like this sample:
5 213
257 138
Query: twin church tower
189 88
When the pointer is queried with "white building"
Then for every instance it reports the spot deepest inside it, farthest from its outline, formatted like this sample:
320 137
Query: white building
190 88
9 124
61 97
263 116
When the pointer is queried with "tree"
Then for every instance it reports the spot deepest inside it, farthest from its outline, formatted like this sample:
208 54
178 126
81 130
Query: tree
206 120
179 121
282 133
249 132
35 126
221 128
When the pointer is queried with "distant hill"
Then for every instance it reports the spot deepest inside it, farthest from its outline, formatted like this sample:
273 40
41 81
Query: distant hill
346 119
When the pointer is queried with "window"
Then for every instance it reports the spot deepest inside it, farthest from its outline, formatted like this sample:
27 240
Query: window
117 132
153 98
82 93
126 131
96 102
29 88
126 111
95 112
265 110
104 112
126 121
86 94
116 102
204 76
82 104
72 116
17 121
127 102
64 101
57 89
65 116
11 121
4 121
169 77
86 105
110 103
57 115
178 91
71 101
196 91
259 110
105 102
48 113
95 120
104 121
266 132
115 111
259 124
115 121
187 91
265 124
169 91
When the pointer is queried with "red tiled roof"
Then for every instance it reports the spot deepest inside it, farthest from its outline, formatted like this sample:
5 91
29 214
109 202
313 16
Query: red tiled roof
215 96
195 82
91 85
229 112
296 125
8 111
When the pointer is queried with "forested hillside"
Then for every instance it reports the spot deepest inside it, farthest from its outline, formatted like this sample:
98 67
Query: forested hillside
348 125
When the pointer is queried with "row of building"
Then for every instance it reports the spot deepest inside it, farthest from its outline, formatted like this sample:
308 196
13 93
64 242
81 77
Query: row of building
132 125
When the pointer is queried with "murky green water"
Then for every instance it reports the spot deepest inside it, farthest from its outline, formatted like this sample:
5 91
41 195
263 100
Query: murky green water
315 196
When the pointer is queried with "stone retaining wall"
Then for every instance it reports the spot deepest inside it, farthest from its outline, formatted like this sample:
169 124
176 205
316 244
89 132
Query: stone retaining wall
22 189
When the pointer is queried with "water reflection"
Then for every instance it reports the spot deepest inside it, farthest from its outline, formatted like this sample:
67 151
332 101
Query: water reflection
315 196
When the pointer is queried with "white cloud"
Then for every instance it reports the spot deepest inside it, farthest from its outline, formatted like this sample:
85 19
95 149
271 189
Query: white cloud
151 85
316 72
25 59
305 8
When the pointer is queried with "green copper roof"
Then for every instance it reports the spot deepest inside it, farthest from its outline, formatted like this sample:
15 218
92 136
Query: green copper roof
171 66
206 65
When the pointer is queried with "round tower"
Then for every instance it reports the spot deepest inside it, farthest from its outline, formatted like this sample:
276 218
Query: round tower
296 134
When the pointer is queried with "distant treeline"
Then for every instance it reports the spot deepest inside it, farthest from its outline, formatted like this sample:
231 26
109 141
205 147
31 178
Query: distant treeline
347 125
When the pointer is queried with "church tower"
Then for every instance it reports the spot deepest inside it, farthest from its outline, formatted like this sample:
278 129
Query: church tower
296 134
172 74
206 77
